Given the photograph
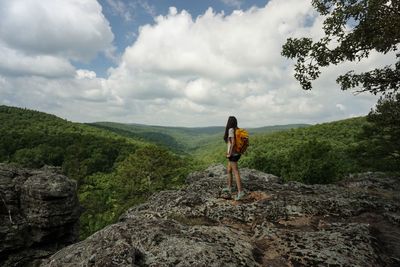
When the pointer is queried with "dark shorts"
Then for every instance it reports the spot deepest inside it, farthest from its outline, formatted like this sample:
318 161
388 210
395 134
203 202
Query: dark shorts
234 158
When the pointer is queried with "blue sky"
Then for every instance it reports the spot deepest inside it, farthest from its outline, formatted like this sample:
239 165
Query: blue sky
173 63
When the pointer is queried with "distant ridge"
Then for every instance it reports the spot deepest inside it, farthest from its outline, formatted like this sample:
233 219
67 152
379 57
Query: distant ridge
199 130
179 139
184 140
276 128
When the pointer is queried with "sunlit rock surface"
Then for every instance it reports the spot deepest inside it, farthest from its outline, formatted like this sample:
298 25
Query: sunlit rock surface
354 223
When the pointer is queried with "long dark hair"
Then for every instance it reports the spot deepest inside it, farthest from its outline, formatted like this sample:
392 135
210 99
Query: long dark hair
232 123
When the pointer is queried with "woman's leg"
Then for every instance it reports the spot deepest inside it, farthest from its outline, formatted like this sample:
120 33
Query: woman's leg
235 169
229 172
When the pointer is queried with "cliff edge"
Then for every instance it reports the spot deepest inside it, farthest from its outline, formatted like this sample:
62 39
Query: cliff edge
353 223
39 214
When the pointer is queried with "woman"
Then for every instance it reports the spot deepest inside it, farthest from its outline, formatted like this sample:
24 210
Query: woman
233 158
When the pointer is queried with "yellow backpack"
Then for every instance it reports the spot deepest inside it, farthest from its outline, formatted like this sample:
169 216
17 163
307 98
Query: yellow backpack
241 140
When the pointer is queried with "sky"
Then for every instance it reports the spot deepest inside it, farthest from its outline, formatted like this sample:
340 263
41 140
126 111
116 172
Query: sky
168 62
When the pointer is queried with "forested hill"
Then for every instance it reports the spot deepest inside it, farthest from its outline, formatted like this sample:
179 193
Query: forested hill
187 140
33 139
320 153
120 165
113 172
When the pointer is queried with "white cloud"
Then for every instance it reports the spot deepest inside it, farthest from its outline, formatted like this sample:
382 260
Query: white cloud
66 97
148 8
85 74
235 47
122 9
196 72
127 9
74 29
234 3
225 64
225 50
16 63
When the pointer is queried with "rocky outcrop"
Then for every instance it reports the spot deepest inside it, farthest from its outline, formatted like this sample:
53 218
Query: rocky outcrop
354 223
39 214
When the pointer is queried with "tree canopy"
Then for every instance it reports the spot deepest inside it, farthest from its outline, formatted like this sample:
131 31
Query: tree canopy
381 136
353 28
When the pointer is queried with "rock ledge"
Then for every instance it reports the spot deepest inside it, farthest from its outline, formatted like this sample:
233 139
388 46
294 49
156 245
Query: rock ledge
354 223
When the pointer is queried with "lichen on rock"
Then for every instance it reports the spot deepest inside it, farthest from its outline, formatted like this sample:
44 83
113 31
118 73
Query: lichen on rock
352 223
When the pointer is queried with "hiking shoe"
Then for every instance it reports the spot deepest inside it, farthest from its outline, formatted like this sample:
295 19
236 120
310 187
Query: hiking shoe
227 190
240 195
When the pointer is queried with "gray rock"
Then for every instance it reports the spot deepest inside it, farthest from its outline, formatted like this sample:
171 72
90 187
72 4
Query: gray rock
39 214
354 223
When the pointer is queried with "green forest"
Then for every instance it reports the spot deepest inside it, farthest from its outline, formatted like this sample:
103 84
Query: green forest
117 166
113 172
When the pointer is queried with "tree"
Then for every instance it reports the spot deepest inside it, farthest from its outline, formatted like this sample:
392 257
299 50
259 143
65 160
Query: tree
353 28
151 168
380 146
